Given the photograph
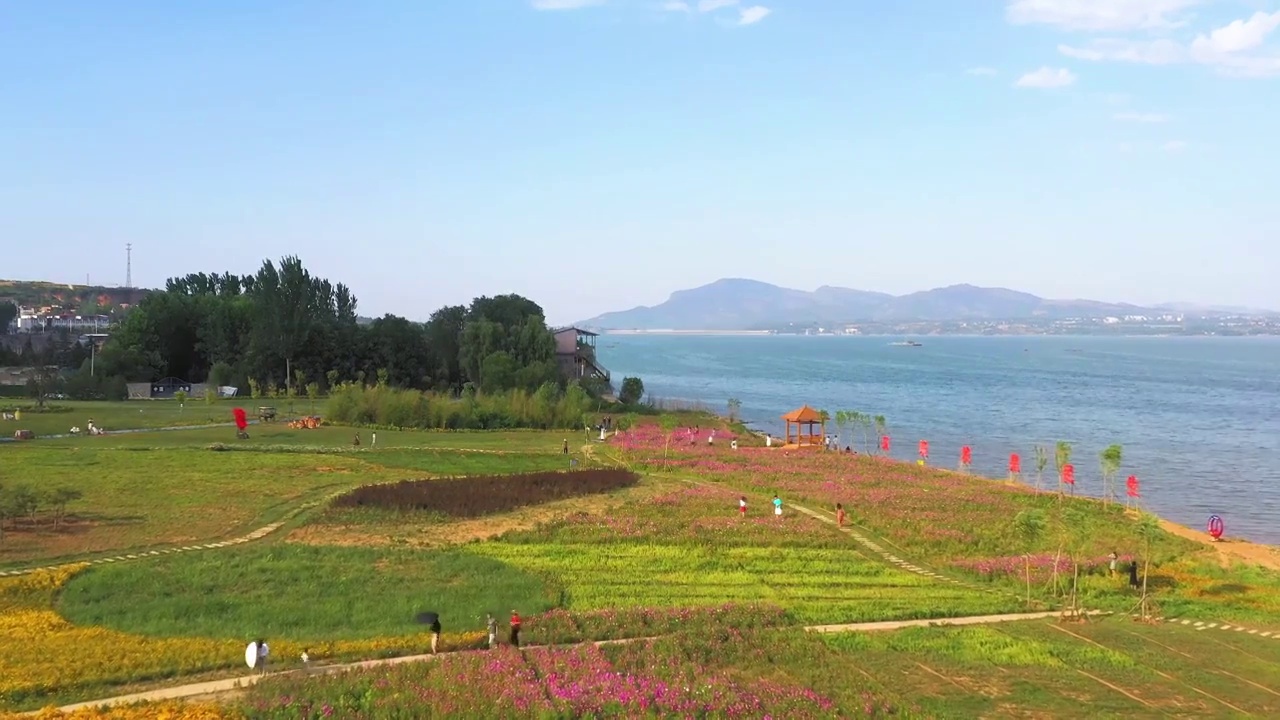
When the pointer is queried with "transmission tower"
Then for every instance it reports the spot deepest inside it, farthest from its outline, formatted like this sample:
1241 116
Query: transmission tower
128 266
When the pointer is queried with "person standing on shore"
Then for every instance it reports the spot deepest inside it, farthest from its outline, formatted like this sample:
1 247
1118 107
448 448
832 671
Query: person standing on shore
839 515
515 629
777 507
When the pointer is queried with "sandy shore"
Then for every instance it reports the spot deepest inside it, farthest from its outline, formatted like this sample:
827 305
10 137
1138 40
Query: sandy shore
1229 549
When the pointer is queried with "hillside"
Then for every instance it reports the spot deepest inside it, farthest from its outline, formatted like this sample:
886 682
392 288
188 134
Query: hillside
85 299
738 304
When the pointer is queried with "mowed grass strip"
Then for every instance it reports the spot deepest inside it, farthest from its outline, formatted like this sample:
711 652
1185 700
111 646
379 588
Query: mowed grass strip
1117 667
299 592
66 414
815 585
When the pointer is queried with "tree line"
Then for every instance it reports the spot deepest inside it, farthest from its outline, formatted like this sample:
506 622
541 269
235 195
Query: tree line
283 327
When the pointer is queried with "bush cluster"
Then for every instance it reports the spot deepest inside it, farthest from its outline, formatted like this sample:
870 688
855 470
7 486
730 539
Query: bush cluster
383 406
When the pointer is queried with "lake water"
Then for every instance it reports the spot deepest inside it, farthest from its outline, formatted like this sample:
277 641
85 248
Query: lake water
1199 418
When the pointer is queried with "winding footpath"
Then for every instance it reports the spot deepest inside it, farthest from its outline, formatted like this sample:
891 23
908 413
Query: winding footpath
215 687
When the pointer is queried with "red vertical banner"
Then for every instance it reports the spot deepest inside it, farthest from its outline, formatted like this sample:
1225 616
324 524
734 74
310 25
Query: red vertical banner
884 444
1069 476
1015 466
966 455
1132 486
924 449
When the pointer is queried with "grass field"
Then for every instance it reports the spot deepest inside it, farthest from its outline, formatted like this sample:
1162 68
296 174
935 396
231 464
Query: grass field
298 592
62 415
169 488
668 557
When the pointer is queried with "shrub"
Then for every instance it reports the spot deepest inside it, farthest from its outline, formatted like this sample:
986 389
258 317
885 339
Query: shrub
383 406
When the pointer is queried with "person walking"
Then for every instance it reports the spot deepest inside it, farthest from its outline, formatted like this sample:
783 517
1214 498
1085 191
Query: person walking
492 625
263 652
515 629
435 635
306 661
564 449
840 515
777 507
742 506
1113 558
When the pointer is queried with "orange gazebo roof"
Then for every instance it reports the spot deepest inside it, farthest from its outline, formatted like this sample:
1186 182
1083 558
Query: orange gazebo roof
805 414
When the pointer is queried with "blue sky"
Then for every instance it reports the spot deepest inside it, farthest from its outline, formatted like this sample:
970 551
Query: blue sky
598 155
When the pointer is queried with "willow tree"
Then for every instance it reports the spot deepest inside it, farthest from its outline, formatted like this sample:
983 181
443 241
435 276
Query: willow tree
882 427
843 419
1030 525
1042 461
1110 460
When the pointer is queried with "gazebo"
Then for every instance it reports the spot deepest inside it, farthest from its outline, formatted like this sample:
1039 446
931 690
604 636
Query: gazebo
805 419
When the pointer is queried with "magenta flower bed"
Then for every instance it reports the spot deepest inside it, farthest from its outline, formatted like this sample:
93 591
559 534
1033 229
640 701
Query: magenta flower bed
1041 565
540 683
560 626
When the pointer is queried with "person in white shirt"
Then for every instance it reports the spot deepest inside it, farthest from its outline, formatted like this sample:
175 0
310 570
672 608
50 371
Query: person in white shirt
263 651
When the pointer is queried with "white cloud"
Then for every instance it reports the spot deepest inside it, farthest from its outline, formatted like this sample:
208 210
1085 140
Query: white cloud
752 15
1236 36
1141 117
1174 146
713 5
1047 77
1147 52
564 4
676 6
981 71
1100 15
1223 49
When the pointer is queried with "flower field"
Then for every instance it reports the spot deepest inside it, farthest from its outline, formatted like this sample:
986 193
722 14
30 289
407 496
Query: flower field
573 682
476 496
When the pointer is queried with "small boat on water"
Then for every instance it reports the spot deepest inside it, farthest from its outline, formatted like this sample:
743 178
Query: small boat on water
906 343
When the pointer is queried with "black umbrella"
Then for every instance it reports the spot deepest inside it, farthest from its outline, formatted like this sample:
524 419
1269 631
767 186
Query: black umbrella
428 618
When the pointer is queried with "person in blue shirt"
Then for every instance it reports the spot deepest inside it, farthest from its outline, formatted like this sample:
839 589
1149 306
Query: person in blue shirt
777 506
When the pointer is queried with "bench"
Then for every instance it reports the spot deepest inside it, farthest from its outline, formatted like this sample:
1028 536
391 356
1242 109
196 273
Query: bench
266 413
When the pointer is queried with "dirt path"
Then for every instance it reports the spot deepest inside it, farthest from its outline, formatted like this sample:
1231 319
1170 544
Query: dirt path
214 688
1229 549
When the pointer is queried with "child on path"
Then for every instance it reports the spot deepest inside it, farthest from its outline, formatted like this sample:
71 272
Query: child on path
515 628
742 506
840 515
306 660
777 507
492 625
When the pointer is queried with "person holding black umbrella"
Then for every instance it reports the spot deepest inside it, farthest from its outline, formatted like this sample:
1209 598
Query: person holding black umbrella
435 634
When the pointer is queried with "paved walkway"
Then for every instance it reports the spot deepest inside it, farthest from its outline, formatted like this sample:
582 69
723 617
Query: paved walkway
213 687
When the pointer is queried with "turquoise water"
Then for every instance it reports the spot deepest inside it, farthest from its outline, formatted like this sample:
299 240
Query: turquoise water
1199 418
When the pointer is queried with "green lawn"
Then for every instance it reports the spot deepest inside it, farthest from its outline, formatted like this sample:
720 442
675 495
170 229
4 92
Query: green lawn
127 415
298 592
167 488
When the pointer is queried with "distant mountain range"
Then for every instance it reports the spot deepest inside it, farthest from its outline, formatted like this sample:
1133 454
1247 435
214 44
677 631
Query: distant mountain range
738 304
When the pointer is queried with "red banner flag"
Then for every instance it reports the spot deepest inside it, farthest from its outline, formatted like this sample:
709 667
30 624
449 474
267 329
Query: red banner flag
1132 485
884 443
241 421
966 455
1069 474
1015 463
924 449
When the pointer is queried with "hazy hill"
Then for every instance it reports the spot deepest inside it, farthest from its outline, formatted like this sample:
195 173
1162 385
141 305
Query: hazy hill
736 304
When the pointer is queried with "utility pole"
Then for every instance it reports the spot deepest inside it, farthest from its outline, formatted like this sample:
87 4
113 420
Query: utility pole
128 266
